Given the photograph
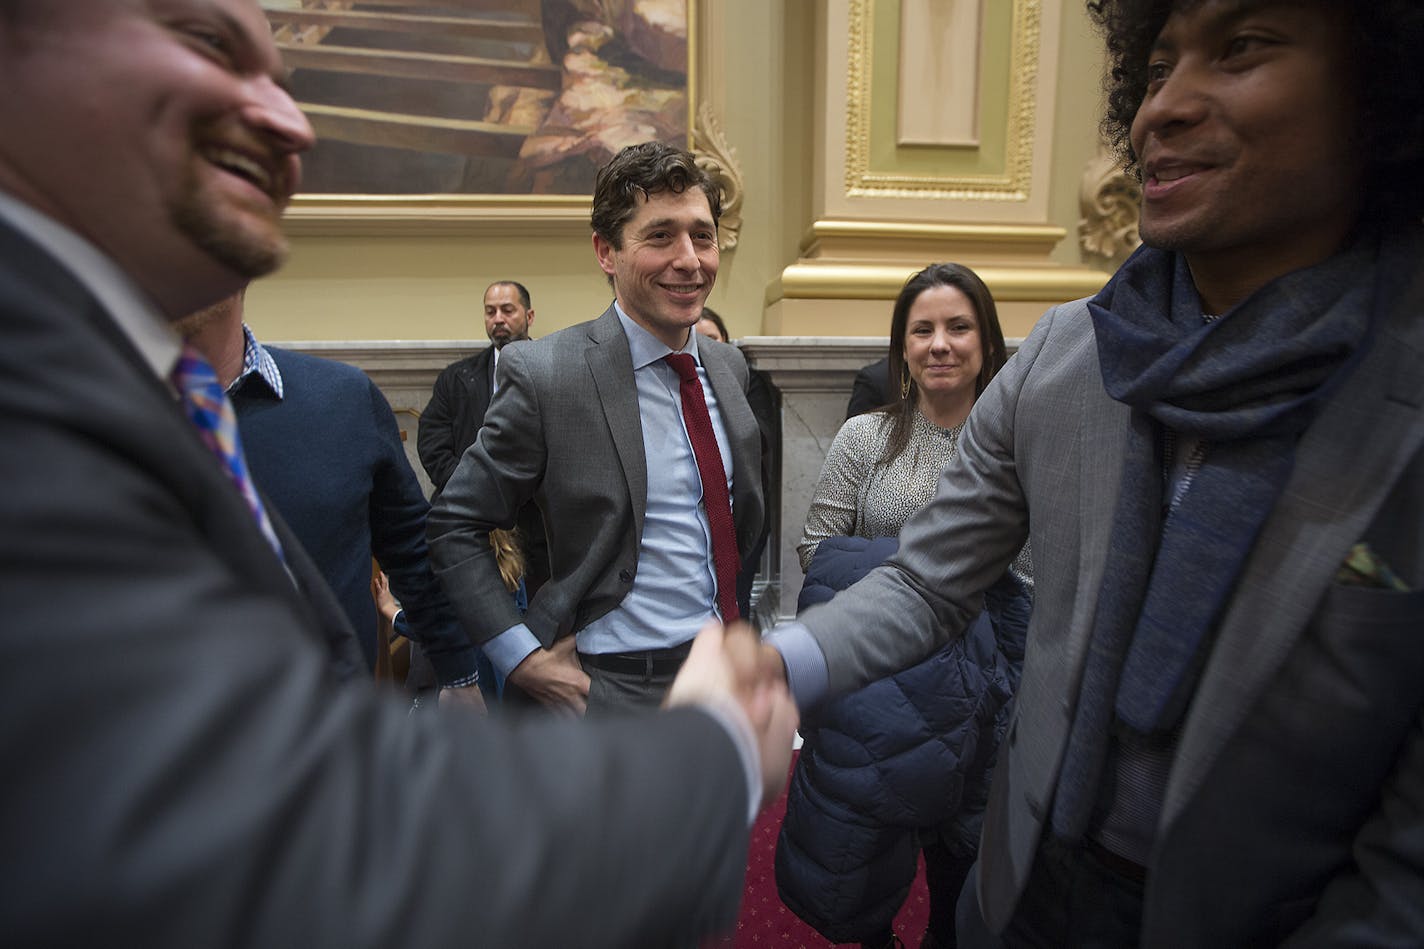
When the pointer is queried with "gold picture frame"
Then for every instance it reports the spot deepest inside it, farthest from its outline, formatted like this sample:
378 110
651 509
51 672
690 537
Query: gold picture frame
474 213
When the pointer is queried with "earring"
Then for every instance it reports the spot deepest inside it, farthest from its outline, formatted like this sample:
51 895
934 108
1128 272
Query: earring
904 382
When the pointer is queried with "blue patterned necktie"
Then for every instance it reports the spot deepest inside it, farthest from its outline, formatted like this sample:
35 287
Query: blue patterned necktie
208 408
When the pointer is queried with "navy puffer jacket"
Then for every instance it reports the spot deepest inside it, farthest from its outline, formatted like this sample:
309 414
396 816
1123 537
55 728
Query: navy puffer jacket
910 752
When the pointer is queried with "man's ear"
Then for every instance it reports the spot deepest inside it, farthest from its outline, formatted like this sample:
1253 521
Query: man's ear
604 251
528 319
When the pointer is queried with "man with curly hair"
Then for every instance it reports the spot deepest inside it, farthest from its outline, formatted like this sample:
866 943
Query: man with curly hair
1219 461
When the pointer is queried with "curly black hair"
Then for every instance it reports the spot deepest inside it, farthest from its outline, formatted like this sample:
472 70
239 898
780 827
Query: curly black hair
1388 40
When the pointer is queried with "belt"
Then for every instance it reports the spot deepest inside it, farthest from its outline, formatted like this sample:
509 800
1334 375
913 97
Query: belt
650 662
1117 863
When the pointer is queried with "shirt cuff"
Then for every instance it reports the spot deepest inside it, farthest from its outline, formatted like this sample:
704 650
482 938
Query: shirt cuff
510 648
806 672
728 714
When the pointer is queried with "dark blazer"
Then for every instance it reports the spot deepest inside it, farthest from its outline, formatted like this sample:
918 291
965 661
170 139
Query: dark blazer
565 430
454 414
1293 809
449 424
188 771
872 388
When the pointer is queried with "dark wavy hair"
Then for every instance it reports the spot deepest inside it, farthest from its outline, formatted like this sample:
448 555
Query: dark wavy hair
1387 37
991 344
645 170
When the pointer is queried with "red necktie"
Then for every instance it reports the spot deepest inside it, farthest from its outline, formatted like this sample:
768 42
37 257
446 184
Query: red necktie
714 483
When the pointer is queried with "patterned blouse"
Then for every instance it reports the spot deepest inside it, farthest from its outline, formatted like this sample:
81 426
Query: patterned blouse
857 496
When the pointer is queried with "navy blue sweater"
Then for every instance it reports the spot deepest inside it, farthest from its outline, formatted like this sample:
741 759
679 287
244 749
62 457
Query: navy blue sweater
328 454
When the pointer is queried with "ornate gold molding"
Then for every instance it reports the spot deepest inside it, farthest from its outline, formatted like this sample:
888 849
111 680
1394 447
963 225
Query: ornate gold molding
1012 184
719 159
812 280
911 241
1110 200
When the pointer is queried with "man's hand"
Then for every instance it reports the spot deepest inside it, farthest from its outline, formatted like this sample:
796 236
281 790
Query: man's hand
554 677
729 666
467 695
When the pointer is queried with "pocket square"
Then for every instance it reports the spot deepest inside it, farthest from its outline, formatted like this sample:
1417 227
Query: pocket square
1364 568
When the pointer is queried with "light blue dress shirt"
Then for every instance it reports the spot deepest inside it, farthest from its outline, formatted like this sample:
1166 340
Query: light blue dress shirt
674 591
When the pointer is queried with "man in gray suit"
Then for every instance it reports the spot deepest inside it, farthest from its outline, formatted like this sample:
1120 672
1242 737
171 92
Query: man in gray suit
1219 461
589 422
188 768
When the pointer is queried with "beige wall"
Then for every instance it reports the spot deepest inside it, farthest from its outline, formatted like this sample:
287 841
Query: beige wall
393 282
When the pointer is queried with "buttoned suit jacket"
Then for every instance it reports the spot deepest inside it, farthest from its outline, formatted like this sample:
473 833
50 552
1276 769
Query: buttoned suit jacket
188 770
1295 807
565 430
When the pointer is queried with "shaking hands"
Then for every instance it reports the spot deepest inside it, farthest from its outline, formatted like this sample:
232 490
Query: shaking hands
730 667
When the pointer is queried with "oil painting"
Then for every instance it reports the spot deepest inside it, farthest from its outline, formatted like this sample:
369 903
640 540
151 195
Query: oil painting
481 97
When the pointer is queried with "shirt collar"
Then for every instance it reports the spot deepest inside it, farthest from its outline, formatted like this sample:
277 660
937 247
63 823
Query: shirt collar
128 306
646 348
257 361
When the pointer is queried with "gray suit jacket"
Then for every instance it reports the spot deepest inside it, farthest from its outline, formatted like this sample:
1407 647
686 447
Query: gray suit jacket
1296 804
185 770
565 429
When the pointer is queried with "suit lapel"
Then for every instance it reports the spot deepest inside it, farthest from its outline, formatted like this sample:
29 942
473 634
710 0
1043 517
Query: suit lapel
1346 465
484 382
141 413
1106 426
611 366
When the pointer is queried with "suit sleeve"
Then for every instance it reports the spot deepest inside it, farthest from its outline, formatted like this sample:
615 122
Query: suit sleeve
496 477
435 432
398 511
190 773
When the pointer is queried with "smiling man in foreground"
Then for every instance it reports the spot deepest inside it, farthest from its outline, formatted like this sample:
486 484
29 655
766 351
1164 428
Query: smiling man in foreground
1219 461
188 768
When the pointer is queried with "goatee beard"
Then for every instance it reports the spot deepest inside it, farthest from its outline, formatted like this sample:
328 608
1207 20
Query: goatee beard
246 254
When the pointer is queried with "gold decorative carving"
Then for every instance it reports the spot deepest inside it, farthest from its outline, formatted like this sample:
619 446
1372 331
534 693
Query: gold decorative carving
1010 185
812 280
719 159
1110 200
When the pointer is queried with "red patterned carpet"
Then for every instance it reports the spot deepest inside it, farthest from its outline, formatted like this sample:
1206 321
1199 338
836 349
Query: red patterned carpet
766 923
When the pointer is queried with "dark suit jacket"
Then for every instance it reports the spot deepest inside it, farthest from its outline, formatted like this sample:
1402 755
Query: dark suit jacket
1295 805
872 388
454 414
449 424
186 771
565 430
